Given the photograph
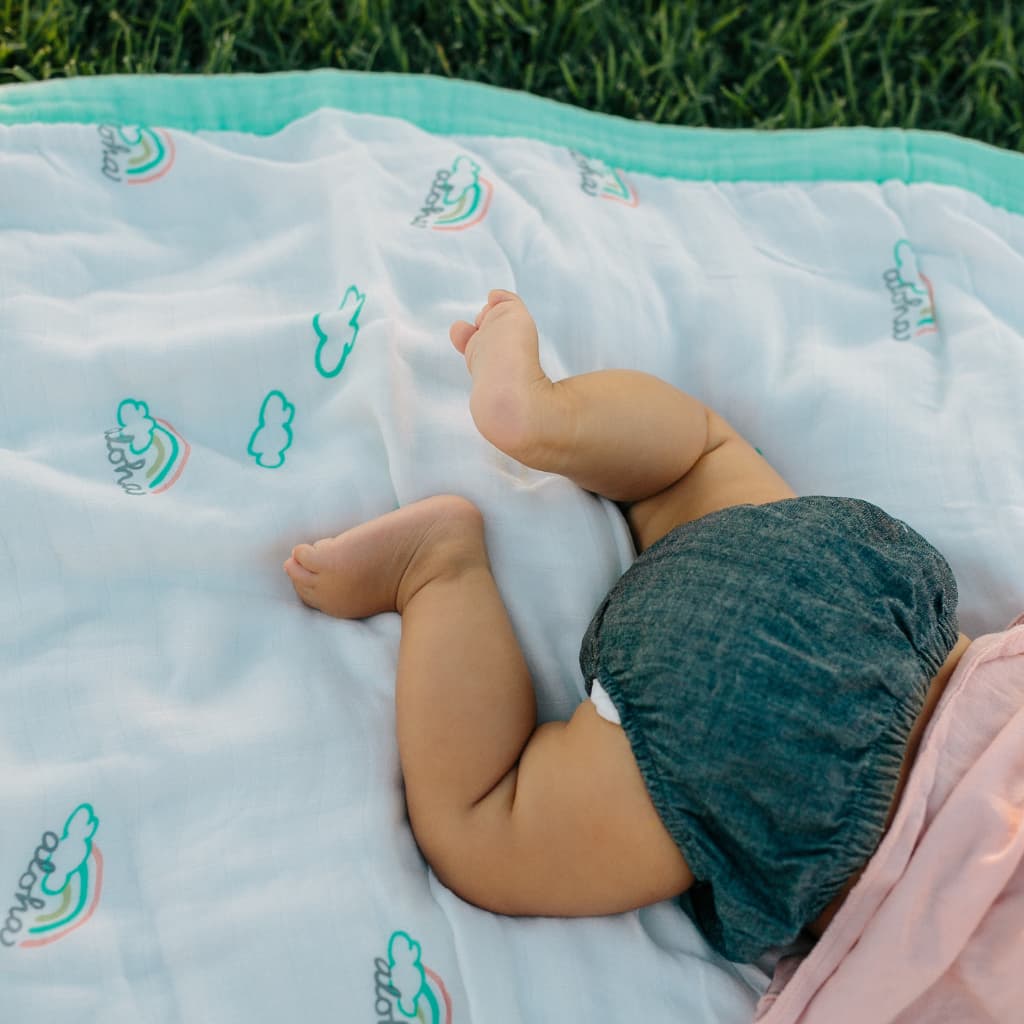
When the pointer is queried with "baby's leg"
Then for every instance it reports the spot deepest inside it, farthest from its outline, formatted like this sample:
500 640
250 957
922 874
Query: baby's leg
465 703
627 435
620 433
554 820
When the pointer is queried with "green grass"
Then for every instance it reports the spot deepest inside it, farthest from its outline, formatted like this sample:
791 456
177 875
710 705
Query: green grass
951 66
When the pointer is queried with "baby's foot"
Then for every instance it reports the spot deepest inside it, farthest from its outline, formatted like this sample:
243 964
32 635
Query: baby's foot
377 566
509 386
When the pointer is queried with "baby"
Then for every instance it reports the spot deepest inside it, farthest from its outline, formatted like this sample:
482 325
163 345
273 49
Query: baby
759 678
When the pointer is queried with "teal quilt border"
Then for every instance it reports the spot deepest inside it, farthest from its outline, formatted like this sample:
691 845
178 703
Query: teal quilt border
265 103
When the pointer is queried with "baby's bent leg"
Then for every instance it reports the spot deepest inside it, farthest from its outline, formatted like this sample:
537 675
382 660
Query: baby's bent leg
621 433
465 703
548 820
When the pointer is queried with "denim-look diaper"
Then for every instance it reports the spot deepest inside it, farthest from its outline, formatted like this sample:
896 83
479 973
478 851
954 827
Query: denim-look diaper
768 663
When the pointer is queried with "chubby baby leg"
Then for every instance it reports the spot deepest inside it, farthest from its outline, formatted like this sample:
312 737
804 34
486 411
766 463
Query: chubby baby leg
512 817
620 433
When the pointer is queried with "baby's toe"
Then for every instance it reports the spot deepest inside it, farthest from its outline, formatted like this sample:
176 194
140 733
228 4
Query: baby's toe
298 574
307 558
460 333
303 581
495 298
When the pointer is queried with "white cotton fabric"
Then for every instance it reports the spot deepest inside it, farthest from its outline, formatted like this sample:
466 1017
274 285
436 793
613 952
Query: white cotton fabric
213 764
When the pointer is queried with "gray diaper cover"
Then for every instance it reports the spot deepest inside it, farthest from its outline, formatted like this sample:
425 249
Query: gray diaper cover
768 663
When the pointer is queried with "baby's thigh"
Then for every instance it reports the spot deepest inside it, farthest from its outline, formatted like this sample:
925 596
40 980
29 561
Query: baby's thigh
573 831
731 472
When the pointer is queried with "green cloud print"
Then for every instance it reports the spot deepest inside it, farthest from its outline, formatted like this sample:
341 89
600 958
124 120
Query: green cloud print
407 977
136 424
73 851
464 177
273 435
336 333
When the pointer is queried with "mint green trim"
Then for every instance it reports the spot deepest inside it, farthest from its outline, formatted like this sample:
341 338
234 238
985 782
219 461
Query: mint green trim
264 104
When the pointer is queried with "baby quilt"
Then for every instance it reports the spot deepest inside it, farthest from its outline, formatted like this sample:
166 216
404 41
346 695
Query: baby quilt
224 306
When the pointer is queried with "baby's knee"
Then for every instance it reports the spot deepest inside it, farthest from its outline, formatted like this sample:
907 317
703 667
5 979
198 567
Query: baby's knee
457 533
452 543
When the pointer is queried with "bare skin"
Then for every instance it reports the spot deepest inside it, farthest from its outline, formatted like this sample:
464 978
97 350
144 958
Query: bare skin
515 817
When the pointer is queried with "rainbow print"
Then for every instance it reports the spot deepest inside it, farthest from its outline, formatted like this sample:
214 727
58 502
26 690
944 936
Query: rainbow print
616 188
61 887
469 208
435 999
909 289
147 454
76 904
171 454
152 154
926 321
599 181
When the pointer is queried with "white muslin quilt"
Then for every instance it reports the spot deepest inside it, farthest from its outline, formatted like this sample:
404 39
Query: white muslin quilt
224 307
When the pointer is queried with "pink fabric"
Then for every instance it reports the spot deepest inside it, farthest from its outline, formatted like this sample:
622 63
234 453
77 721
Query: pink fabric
933 932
